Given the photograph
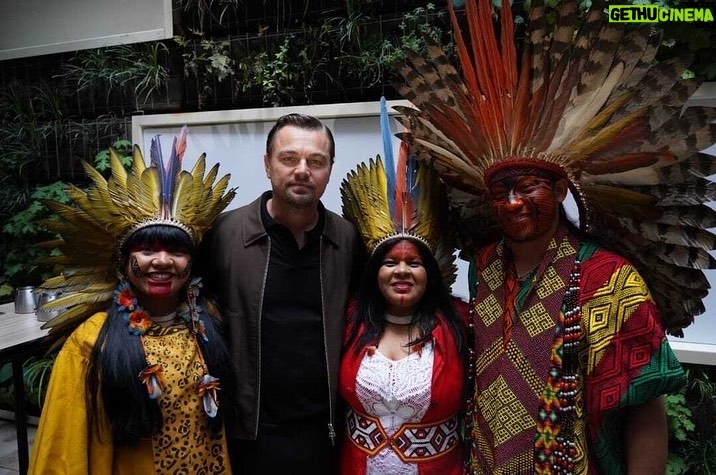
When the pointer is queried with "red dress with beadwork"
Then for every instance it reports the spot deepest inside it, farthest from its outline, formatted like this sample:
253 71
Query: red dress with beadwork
402 416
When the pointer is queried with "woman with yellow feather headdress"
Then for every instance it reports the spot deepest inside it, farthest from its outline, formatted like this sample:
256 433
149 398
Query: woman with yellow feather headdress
134 388
402 372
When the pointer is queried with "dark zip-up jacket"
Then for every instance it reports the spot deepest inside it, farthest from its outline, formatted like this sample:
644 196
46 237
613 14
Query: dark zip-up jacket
237 252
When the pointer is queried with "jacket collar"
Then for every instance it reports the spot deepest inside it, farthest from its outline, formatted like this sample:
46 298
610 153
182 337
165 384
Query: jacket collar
253 228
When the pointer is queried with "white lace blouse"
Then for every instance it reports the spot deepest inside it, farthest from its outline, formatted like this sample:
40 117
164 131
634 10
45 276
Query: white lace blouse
396 392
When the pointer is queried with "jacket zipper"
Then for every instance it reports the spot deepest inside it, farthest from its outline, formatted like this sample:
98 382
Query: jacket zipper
261 309
331 430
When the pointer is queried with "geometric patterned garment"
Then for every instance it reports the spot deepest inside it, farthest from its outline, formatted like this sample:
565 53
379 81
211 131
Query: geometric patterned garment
626 355
624 359
185 444
396 393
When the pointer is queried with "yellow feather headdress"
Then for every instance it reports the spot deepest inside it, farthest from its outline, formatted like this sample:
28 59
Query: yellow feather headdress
100 219
592 103
399 200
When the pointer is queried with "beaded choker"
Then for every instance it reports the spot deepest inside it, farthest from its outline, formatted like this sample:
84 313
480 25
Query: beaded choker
398 320
164 319
139 321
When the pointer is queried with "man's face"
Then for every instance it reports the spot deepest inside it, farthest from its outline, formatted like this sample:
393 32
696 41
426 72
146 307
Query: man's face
527 206
299 166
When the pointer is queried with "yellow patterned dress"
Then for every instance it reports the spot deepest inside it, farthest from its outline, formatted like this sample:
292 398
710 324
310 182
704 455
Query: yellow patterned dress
64 444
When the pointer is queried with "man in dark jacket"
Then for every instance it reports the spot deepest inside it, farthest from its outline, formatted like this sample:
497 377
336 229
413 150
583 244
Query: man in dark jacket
281 268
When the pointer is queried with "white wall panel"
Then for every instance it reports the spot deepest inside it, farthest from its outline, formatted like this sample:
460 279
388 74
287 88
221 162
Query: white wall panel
38 27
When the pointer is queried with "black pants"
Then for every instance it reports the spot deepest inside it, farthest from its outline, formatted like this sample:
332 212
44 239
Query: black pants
285 450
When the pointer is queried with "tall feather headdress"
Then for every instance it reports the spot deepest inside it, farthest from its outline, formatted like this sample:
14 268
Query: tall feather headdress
92 229
592 104
403 199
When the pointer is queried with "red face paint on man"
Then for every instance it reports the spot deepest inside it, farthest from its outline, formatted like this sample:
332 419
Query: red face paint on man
526 206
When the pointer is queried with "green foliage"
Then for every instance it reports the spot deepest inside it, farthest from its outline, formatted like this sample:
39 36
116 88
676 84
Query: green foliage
6 290
206 61
679 417
36 373
691 416
7 398
124 150
675 464
23 233
28 117
287 71
377 55
206 13
134 68
277 75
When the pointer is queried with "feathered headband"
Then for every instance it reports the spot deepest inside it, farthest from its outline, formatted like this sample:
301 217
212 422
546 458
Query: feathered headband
576 103
100 219
403 200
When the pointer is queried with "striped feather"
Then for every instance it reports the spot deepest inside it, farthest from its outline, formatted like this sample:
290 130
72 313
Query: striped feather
699 216
681 194
665 233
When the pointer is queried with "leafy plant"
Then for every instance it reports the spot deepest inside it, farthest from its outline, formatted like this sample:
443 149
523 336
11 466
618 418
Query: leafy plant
206 61
152 73
36 373
691 416
136 69
679 417
23 233
374 59
274 74
289 70
124 150
28 114
205 13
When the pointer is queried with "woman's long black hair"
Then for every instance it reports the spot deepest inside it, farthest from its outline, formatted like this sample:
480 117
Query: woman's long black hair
370 311
113 385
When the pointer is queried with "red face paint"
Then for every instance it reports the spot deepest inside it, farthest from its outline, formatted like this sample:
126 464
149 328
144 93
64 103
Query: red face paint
526 206
402 278
158 273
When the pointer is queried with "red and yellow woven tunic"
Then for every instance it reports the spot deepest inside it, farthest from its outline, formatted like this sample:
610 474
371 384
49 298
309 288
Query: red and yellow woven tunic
532 413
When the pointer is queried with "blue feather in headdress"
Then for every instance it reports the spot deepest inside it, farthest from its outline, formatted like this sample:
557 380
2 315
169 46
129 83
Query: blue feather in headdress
169 171
401 177
388 153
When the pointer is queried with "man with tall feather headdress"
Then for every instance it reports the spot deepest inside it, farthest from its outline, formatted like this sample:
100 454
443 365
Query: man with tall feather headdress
571 360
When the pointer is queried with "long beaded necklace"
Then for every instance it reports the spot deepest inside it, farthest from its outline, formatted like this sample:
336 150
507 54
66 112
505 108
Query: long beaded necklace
139 321
570 377
568 384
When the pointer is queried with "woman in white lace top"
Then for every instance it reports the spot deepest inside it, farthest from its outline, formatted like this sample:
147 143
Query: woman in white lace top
402 370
